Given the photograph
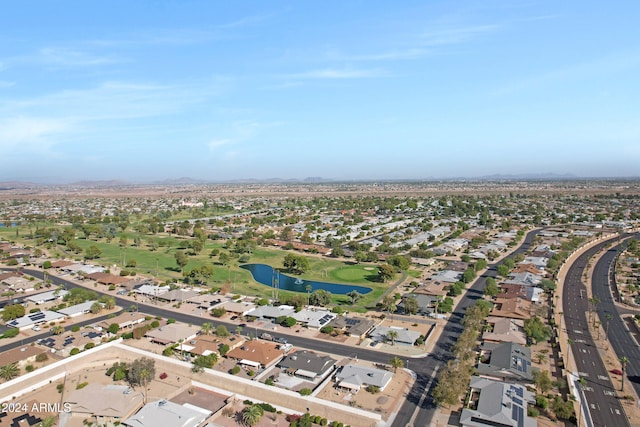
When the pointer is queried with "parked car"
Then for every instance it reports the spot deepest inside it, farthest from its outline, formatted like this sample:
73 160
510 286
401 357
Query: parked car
163 375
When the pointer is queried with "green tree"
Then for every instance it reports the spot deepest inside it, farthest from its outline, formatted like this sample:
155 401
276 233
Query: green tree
9 372
492 288
13 311
388 304
141 371
392 336
320 297
503 270
251 415
222 331
396 363
624 360
206 328
354 296
181 259
96 308
542 381
410 305
113 328
536 329
202 362
385 272
92 252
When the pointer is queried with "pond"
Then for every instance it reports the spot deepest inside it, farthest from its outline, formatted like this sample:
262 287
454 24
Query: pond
267 275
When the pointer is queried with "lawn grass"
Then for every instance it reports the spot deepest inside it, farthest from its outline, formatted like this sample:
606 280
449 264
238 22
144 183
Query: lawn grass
161 264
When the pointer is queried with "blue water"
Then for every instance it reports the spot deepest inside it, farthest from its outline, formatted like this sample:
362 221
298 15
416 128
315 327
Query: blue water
264 274
13 224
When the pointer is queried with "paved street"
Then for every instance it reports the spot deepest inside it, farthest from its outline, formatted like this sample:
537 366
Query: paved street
604 407
424 368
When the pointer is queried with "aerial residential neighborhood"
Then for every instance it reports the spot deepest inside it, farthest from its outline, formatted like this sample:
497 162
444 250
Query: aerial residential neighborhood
459 302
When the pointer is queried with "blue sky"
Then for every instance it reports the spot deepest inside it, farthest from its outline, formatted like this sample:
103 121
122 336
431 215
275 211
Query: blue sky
149 90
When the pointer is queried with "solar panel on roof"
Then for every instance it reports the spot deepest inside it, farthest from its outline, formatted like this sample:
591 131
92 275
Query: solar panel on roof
520 391
518 401
37 316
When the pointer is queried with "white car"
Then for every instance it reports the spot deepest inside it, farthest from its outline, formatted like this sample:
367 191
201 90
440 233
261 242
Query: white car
36 328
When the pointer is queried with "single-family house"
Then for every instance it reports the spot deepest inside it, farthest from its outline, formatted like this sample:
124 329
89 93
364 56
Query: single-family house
504 329
307 364
107 403
505 361
49 296
495 403
514 308
403 336
353 377
256 353
171 334
353 325
168 414
314 318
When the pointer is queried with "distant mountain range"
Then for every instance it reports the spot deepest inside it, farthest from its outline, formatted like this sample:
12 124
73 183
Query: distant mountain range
16 184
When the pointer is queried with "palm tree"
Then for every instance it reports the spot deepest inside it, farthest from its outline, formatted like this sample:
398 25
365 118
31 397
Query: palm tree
238 330
541 358
57 330
251 415
9 372
569 344
392 335
396 363
206 328
608 317
48 422
623 361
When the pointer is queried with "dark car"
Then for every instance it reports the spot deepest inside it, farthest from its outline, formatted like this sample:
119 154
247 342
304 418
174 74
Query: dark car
163 375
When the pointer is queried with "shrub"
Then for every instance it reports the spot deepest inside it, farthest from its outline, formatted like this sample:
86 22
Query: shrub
127 336
89 345
234 370
532 411
155 324
75 328
305 392
267 407
60 387
74 351
112 287
170 321
82 385
326 329
41 357
11 333
29 368
373 389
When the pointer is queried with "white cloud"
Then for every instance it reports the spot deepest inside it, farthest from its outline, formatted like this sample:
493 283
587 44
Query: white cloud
454 34
217 143
33 134
334 73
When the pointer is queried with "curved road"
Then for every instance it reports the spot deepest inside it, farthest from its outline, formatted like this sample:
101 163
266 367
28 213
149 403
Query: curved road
618 333
418 404
601 401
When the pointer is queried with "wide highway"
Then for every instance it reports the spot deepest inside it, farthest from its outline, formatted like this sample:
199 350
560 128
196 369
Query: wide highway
619 336
601 401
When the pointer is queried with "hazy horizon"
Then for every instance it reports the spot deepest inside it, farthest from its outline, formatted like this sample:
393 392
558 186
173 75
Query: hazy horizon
347 91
